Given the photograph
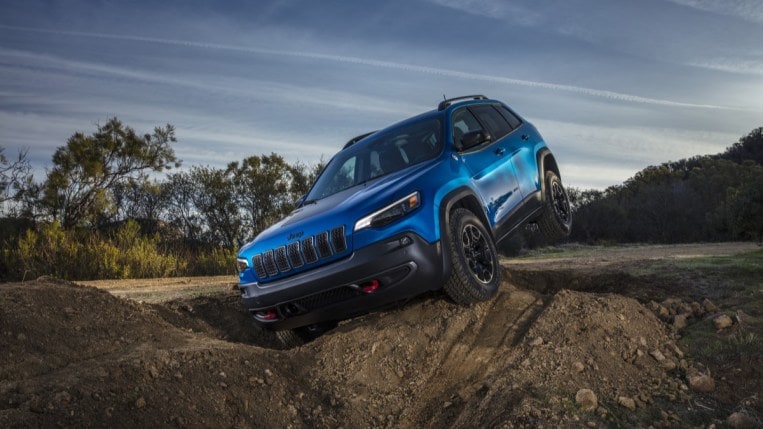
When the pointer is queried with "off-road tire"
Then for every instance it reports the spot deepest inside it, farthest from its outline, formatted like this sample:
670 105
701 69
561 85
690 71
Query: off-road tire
289 338
475 273
556 221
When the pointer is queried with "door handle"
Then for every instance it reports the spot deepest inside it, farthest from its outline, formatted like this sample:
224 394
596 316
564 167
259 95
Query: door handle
500 151
525 137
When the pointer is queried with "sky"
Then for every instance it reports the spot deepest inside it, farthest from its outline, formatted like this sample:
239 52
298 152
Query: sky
612 85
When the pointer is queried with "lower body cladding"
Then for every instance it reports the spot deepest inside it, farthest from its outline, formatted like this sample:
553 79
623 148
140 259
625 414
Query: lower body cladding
385 272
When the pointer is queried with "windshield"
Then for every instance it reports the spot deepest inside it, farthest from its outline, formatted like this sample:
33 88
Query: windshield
383 154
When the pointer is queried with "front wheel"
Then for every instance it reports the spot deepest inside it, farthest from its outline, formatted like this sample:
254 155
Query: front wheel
289 338
476 274
556 221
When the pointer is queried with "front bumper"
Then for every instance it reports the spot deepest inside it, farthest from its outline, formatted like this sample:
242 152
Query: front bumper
404 266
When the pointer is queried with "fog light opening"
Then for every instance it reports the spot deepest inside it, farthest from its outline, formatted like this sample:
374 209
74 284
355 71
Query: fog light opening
291 310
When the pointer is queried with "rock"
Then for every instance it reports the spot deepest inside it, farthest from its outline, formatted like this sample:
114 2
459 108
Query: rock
21 337
679 321
627 402
722 321
701 383
740 420
663 312
697 308
586 399
676 351
709 306
537 341
578 367
662 360
153 372
657 355
140 402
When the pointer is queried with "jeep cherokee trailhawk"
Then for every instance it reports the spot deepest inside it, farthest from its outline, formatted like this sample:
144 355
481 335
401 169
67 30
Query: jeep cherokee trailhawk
414 207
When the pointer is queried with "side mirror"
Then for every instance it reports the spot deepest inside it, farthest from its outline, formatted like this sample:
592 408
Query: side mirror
300 201
474 138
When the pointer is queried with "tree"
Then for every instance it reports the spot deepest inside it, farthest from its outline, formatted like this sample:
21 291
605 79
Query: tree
13 176
266 188
79 188
139 200
215 202
177 194
749 147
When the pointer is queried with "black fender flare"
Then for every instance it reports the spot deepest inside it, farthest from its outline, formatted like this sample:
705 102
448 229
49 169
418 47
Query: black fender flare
460 197
546 162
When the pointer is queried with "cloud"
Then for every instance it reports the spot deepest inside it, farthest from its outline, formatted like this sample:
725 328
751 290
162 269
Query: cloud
493 9
750 10
250 89
732 65
600 156
610 95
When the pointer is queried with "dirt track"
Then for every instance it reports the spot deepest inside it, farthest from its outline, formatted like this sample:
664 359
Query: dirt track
79 356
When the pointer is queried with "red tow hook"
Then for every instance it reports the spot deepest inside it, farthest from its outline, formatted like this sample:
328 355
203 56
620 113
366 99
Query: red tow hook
370 286
269 314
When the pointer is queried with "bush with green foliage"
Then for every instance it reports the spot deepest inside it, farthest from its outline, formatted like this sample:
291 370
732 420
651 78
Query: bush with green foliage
80 254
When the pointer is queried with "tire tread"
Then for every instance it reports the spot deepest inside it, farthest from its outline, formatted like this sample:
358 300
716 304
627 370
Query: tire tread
459 287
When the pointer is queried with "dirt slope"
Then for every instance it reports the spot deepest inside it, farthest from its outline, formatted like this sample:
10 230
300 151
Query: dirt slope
74 355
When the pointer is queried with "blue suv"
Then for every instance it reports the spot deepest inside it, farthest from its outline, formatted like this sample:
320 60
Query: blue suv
414 207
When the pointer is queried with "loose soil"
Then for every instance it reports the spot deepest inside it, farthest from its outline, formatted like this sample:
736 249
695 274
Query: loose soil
182 353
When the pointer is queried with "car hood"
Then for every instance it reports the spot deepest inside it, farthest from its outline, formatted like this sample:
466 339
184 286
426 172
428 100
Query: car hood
343 208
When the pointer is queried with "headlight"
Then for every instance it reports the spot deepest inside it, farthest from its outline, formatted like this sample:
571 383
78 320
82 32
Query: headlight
241 264
391 213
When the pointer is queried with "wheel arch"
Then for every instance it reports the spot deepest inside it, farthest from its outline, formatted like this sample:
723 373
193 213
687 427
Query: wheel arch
462 197
546 162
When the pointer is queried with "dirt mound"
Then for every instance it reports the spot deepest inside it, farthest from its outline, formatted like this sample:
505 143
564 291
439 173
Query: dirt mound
608 344
220 315
77 356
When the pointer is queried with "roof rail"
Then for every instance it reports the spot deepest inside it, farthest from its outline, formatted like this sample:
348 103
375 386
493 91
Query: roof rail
445 103
357 139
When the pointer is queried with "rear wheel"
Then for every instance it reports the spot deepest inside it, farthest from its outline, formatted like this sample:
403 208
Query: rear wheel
475 275
556 221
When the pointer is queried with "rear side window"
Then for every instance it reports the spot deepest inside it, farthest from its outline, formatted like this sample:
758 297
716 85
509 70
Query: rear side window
512 118
463 122
493 121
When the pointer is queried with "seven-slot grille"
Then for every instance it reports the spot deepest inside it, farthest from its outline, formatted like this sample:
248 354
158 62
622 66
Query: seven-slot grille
298 253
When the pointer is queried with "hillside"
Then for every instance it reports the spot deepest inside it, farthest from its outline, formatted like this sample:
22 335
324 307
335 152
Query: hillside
586 335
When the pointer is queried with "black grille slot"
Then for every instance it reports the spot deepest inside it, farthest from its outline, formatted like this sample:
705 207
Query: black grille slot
323 299
258 267
322 243
308 249
338 240
281 262
295 258
270 265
